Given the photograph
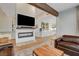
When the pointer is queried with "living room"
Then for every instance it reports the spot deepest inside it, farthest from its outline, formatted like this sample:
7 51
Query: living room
46 28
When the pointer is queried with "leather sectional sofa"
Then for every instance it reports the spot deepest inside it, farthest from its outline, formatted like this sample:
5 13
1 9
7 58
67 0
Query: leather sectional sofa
69 44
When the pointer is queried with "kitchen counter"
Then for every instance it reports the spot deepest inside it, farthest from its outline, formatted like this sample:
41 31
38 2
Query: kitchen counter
5 43
6 49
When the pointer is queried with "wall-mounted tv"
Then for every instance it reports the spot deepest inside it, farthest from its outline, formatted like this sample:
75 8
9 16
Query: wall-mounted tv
23 20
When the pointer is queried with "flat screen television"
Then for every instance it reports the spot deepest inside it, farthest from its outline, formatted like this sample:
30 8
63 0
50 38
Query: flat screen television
26 21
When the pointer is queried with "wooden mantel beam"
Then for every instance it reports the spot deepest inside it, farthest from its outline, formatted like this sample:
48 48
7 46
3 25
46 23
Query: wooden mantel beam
46 8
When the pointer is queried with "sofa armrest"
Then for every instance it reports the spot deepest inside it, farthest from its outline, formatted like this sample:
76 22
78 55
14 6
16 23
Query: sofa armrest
57 40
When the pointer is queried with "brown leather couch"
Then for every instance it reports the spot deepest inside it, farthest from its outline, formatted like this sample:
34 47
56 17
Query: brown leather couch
69 44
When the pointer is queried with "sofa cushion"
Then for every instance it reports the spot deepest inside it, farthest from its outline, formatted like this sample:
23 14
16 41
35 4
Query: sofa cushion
73 36
71 39
69 45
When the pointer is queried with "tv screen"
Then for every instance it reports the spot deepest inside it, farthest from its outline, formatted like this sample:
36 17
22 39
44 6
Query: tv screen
24 20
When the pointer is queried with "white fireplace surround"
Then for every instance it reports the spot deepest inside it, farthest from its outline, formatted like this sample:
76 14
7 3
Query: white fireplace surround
23 35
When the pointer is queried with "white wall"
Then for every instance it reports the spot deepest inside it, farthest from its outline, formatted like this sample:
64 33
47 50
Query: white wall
5 22
77 25
27 10
7 14
47 18
66 22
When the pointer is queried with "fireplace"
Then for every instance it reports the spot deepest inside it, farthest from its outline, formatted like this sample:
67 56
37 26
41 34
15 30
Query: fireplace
25 34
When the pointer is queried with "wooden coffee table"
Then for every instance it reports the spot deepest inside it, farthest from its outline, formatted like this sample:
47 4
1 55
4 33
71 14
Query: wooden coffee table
47 51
